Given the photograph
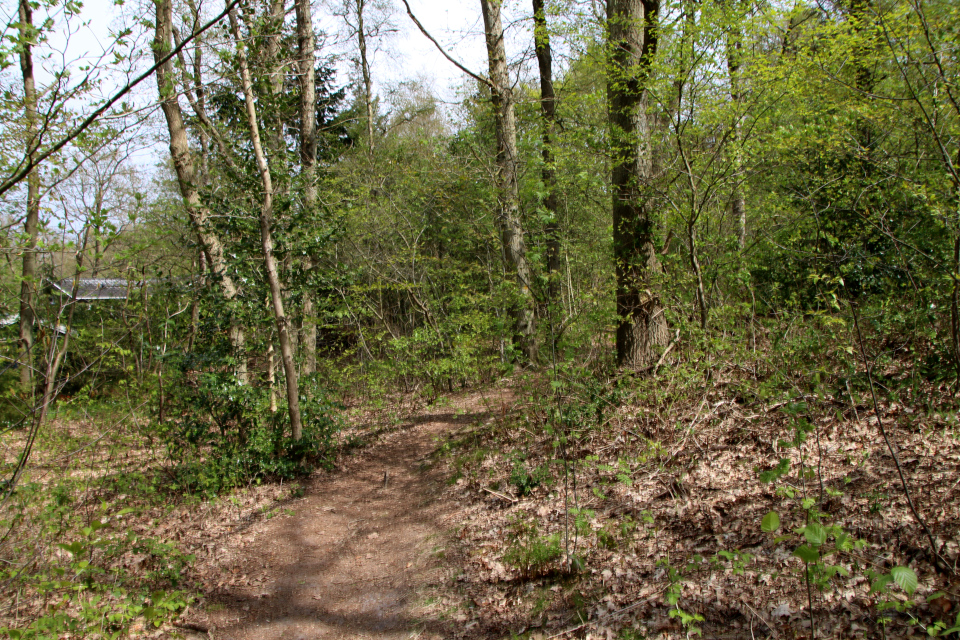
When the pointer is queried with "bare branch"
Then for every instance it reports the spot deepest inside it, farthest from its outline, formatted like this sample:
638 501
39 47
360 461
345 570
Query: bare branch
473 75
17 177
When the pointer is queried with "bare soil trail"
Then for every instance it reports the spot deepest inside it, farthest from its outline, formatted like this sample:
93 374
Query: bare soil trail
355 556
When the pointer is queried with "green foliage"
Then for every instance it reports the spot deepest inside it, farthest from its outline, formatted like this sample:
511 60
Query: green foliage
89 592
673 593
225 435
524 480
530 552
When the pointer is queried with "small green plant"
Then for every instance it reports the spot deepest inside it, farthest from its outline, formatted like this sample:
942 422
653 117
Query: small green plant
525 481
738 560
880 583
581 521
606 539
529 552
939 628
93 597
672 597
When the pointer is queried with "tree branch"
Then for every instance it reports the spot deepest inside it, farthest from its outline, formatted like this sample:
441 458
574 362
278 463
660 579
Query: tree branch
473 75
13 180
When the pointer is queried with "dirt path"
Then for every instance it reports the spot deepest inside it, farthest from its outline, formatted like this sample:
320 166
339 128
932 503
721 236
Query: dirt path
353 557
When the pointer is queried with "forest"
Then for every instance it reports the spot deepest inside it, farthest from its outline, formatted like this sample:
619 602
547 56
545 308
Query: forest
651 331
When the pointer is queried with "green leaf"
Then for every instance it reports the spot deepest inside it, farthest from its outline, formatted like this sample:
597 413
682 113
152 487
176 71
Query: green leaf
807 553
770 522
905 578
76 548
880 584
815 534
844 542
776 472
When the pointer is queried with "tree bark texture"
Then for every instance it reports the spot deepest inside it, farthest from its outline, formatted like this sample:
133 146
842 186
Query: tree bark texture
266 238
641 325
308 161
32 223
511 230
187 176
365 71
548 111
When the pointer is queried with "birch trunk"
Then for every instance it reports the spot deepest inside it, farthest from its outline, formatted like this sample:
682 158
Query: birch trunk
365 70
514 248
266 236
739 201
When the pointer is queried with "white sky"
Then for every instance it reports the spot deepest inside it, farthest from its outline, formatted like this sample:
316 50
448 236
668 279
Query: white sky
404 54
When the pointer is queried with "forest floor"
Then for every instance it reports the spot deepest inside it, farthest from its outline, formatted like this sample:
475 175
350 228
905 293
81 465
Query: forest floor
660 509
520 511
359 555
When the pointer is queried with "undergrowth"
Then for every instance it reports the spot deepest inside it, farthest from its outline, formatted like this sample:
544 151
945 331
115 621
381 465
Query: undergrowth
754 467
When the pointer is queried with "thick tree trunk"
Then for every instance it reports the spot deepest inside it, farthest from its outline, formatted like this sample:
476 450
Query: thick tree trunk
187 178
641 325
266 238
308 161
514 248
548 111
32 223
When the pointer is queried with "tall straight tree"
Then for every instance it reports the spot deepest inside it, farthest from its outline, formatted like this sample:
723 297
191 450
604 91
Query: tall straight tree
548 111
734 51
266 235
511 230
187 175
308 159
32 223
365 71
641 325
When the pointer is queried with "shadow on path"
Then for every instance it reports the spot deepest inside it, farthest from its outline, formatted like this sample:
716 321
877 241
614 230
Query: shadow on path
357 555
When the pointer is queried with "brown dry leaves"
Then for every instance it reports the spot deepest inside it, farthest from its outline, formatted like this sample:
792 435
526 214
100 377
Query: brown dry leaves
693 494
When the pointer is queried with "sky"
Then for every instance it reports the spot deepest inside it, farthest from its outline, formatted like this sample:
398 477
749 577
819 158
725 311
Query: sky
403 54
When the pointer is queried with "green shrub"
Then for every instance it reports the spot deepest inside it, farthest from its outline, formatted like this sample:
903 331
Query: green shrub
223 434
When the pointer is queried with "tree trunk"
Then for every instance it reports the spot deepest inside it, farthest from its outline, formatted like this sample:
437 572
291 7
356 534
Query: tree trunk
697 271
308 161
548 111
32 224
272 376
266 237
641 325
738 200
365 70
187 178
514 249
201 284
